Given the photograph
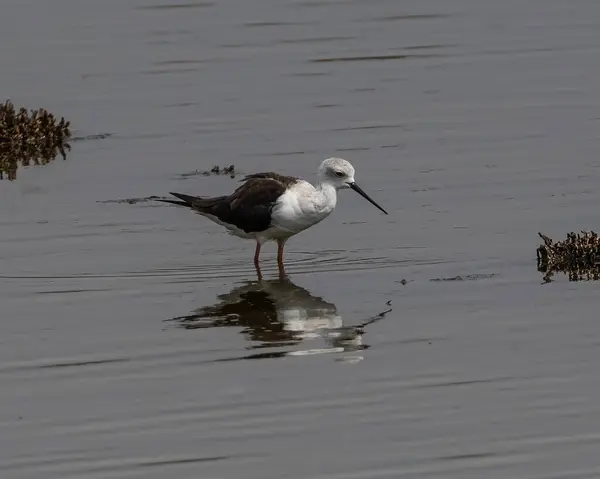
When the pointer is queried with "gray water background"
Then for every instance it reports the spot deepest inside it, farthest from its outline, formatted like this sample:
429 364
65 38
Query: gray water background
474 123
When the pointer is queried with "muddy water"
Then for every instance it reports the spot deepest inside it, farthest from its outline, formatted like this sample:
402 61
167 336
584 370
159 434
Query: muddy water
128 330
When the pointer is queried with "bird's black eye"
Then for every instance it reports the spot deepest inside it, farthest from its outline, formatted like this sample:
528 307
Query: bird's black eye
339 173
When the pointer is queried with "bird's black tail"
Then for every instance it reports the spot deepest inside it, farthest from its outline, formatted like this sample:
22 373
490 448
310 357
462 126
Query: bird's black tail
194 202
173 202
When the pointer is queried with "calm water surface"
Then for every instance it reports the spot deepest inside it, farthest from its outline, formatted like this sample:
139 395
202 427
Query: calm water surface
419 344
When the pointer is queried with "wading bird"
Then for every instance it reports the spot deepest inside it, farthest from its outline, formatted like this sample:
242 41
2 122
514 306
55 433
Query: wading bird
273 207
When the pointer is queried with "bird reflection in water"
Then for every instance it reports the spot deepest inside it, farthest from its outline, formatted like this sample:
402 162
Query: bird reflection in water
279 315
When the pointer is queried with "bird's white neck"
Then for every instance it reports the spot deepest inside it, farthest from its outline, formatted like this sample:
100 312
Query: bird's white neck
327 195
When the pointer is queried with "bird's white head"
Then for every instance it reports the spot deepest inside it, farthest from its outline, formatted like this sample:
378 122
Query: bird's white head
339 173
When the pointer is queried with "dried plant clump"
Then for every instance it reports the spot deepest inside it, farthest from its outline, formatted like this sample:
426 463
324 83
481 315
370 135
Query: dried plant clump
32 137
578 256
215 170
226 170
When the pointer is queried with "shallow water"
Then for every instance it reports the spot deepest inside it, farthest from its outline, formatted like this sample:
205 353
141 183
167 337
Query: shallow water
127 328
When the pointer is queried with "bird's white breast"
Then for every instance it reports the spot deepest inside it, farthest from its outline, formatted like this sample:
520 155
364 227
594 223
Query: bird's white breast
302 206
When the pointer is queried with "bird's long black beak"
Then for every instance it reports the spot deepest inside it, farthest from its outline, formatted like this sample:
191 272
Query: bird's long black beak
359 190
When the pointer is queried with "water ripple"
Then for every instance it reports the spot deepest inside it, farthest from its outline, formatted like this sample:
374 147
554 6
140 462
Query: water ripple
175 6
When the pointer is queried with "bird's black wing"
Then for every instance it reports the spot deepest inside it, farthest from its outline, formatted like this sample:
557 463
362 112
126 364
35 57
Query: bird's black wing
248 207
287 181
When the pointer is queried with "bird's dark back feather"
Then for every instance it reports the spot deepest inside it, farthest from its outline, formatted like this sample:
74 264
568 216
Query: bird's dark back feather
248 207
287 181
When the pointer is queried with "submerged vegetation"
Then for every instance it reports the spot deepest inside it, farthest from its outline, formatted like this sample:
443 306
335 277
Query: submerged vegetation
578 256
33 137
215 170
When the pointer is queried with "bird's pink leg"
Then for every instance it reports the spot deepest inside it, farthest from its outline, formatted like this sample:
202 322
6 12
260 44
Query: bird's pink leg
258 273
280 245
256 254
256 264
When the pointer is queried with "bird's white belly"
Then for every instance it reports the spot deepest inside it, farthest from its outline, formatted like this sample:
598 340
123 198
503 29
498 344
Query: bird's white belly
298 209
231 229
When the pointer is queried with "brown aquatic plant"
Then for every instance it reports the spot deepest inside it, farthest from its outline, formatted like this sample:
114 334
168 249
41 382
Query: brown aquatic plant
214 171
33 137
578 256
217 170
